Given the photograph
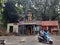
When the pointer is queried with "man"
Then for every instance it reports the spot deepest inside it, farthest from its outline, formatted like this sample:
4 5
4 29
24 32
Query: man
41 32
46 35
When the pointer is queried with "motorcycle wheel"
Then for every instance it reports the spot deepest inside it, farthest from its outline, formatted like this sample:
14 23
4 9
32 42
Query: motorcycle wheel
50 42
40 40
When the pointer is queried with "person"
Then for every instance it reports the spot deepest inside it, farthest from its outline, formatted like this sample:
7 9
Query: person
41 32
46 35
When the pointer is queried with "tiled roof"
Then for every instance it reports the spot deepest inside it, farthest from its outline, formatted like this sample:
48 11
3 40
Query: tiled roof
49 23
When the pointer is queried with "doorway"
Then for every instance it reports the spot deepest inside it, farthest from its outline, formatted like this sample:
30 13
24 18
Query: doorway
29 29
11 29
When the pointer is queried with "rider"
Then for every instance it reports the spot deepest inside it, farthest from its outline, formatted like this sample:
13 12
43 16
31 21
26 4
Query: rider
46 35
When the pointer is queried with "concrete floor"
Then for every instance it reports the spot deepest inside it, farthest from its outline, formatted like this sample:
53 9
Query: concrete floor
27 40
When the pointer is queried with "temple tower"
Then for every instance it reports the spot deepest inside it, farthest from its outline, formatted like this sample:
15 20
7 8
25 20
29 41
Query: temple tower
29 15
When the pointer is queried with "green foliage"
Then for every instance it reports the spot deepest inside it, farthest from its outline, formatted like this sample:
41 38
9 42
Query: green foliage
1 10
12 11
1 5
1 1
19 10
50 12
49 7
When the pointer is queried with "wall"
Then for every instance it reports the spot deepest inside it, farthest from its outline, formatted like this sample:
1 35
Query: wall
15 27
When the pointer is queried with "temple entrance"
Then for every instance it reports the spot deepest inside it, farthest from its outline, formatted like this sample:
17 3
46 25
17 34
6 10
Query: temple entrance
29 29
26 29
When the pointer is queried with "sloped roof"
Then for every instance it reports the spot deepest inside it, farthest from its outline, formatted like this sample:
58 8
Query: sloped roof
43 23
49 23
27 23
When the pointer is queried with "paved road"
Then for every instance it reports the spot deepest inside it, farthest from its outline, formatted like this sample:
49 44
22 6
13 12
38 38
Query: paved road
29 40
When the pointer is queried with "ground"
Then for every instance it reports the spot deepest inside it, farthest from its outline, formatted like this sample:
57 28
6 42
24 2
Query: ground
27 40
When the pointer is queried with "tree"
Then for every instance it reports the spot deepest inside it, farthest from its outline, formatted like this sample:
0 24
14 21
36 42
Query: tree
46 9
10 13
1 10
51 11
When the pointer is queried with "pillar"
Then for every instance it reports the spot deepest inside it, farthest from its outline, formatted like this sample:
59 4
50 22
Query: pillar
15 28
8 28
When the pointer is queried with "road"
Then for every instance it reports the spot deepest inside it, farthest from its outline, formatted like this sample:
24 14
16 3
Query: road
28 40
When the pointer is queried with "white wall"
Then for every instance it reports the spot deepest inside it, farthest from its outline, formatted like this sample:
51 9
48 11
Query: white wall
15 27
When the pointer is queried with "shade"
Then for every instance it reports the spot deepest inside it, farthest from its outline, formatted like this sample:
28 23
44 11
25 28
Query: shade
49 23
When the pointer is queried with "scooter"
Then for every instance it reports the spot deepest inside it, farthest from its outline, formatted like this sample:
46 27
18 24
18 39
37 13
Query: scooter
45 39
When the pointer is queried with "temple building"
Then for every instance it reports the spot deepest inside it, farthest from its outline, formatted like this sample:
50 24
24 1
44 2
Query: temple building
26 27
30 27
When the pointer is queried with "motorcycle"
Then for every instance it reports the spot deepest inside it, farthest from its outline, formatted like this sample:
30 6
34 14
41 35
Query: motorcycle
46 38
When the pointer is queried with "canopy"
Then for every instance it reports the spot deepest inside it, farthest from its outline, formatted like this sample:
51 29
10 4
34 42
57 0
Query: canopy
49 23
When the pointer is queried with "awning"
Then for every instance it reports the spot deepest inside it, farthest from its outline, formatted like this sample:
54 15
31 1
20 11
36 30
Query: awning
49 23
43 23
